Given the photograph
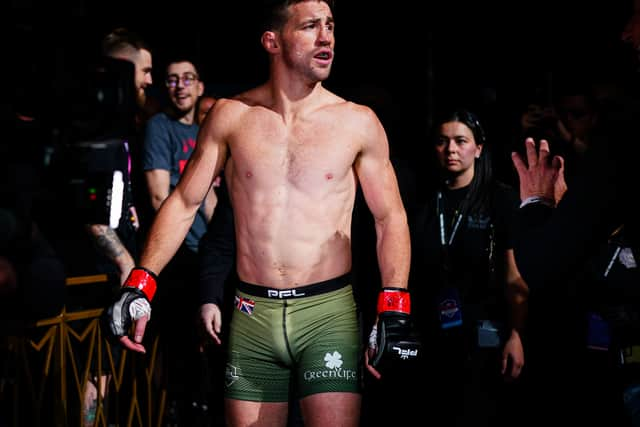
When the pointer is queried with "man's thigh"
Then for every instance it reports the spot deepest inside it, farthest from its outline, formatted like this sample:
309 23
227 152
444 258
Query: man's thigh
256 414
331 409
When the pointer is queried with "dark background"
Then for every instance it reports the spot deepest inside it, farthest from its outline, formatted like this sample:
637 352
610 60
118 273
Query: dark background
405 59
388 55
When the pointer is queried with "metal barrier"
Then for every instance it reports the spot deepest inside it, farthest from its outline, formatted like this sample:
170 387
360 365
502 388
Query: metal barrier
52 363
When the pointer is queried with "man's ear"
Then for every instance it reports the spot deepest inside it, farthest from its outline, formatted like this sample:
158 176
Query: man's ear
270 41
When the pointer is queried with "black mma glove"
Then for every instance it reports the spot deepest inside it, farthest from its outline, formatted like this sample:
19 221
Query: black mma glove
132 303
394 338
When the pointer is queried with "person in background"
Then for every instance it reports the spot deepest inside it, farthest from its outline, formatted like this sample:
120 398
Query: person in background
170 139
125 45
465 279
117 245
578 251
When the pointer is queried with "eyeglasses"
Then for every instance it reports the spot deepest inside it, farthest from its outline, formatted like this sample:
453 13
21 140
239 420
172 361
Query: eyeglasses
187 79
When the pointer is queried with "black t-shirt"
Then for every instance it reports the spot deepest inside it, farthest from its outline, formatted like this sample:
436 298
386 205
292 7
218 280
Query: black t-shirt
216 252
474 258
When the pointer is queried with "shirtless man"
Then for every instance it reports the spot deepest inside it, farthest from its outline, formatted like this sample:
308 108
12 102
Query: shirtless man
293 154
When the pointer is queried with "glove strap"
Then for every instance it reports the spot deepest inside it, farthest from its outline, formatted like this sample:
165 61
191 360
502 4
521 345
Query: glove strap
144 280
394 299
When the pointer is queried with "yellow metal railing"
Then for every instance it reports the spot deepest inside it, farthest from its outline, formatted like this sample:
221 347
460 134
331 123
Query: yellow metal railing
56 359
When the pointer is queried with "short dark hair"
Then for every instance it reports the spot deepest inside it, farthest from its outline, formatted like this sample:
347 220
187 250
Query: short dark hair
121 39
275 12
183 58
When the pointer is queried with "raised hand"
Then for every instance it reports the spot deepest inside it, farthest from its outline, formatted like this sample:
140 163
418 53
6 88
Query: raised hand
541 176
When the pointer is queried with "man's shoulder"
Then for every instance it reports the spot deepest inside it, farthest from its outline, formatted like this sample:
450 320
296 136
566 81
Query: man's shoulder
349 111
233 108
159 119
259 96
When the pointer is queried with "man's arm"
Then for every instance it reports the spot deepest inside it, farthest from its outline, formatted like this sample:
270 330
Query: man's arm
157 158
553 242
216 255
175 216
393 339
158 183
517 294
211 201
109 244
380 189
169 228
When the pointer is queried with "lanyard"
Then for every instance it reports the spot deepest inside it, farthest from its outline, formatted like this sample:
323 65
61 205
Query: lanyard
614 236
126 149
443 232
613 259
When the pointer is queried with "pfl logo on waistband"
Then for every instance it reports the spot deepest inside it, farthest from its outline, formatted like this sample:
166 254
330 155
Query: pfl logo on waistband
406 353
285 293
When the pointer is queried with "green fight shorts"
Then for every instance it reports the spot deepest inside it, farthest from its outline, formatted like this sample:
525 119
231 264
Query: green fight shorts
306 338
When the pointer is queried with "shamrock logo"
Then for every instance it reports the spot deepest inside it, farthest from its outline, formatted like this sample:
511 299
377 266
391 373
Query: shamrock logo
334 360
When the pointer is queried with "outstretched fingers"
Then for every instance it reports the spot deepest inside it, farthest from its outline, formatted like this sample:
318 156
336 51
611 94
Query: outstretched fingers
518 163
560 185
558 163
532 153
535 155
543 151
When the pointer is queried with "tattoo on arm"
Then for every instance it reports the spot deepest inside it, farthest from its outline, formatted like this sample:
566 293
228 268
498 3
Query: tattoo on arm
107 241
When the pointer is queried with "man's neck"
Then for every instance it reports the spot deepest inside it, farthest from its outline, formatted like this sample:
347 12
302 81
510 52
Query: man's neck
291 93
184 117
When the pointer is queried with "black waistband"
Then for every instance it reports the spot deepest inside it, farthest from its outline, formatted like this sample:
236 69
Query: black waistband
302 291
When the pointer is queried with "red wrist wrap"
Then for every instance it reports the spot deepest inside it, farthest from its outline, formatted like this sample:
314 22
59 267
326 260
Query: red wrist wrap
394 300
143 279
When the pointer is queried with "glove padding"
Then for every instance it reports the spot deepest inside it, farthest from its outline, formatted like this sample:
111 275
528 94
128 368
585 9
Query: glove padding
133 302
131 305
397 342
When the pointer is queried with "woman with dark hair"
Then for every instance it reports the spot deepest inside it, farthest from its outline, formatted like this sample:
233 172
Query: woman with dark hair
464 278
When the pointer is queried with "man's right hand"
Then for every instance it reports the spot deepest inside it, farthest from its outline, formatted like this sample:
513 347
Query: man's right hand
132 306
541 176
211 319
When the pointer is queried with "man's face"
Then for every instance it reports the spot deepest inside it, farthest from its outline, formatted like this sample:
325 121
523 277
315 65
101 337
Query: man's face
308 40
184 86
142 62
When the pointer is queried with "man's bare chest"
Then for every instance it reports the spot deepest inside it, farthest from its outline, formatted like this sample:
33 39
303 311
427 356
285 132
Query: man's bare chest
306 153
